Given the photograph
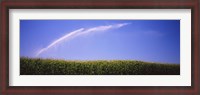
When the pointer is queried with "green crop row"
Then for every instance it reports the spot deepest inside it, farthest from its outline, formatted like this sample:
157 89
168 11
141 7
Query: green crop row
30 66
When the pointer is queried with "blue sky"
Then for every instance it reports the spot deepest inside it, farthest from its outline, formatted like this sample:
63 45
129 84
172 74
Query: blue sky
145 40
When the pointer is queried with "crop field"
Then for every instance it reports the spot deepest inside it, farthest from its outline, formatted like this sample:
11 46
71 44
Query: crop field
30 66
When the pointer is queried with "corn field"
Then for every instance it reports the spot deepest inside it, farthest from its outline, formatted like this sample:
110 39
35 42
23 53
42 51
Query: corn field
30 66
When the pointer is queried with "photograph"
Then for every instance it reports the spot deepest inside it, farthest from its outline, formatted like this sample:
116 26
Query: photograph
99 47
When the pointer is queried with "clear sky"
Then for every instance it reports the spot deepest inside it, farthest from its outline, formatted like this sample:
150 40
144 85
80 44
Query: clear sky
145 40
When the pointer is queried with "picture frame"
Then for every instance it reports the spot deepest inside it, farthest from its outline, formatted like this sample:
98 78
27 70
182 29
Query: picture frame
99 4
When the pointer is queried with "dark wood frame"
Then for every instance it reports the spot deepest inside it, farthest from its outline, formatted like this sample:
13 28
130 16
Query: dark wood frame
99 4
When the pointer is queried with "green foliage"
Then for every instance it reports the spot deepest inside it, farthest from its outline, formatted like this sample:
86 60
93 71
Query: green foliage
30 66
